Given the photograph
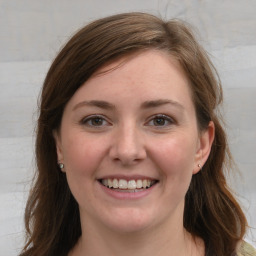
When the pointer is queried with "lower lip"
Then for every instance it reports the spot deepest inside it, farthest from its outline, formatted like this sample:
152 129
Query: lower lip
127 195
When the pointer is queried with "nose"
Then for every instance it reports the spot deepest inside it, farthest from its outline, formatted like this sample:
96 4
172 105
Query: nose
127 146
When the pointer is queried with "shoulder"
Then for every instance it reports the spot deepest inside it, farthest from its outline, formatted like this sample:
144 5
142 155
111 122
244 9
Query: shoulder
246 249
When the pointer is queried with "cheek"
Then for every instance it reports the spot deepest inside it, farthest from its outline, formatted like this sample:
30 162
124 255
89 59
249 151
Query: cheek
175 157
82 154
82 157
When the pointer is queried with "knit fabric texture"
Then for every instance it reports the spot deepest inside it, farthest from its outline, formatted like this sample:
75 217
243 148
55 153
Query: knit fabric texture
246 250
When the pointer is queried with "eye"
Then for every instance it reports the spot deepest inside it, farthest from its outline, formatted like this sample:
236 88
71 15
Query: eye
160 121
95 121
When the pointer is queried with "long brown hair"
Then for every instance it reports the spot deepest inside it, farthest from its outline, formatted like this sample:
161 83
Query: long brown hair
52 214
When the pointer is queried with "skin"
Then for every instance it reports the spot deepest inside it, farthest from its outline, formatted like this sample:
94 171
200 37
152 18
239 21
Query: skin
130 137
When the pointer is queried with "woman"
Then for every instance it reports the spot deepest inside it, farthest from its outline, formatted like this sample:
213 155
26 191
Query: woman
130 150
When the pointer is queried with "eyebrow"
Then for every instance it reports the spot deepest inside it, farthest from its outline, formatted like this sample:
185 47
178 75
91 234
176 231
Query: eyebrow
161 102
95 103
145 105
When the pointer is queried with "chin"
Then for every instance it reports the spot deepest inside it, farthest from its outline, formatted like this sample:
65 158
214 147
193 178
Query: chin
130 221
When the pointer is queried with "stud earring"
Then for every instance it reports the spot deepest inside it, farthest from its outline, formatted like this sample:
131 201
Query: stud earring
200 166
61 165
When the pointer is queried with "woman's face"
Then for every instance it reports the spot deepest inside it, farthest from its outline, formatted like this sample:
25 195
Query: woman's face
130 144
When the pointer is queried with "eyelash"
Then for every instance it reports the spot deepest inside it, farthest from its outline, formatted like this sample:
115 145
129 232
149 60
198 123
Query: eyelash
164 118
85 121
88 121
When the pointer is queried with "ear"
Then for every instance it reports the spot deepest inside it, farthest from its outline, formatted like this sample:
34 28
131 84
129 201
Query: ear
204 147
58 146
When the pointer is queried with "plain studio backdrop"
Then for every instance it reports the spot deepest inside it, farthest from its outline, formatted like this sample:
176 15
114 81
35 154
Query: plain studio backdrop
31 33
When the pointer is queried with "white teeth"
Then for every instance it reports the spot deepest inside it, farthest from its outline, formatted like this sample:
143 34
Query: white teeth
139 183
123 184
130 184
110 183
105 182
144 183
115 183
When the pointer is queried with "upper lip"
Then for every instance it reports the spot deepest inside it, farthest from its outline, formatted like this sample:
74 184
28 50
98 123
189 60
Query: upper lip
127 177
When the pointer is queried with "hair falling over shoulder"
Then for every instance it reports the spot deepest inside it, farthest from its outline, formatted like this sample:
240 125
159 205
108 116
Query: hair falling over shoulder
52 215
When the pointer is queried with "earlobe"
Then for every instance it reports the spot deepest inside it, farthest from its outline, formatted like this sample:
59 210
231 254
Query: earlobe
58 146
204 147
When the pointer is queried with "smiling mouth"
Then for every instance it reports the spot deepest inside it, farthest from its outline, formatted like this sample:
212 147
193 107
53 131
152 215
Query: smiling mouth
123 185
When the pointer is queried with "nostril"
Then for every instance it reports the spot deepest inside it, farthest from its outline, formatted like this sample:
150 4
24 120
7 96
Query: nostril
127 161
127 145
128 157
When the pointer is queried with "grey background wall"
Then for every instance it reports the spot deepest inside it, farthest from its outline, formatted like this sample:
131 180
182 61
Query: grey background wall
31 32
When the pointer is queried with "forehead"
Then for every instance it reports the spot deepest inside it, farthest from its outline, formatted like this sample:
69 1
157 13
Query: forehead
144 75
144 60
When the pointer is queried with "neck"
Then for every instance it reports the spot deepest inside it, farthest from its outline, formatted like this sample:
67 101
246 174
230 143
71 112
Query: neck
162 240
